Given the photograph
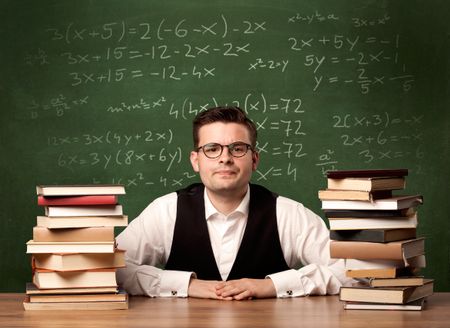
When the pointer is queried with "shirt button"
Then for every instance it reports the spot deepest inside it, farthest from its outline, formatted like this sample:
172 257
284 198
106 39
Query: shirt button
174 292
289 292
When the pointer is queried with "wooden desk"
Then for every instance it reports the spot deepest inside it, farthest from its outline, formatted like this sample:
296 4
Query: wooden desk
314 311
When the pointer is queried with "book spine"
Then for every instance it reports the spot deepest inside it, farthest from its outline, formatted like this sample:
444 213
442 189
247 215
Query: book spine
77 200
90 234
366 250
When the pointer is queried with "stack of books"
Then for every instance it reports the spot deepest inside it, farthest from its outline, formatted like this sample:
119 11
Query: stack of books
375 232
74 256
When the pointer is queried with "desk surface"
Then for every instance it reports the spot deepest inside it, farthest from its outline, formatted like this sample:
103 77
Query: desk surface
313 311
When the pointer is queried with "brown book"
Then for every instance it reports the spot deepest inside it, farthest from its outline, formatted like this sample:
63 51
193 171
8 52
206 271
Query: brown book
396 250
333 194
76 190
392 295
397 282
121 296
79 261
82 221
339 174
379 273
79 306
48 279
42 234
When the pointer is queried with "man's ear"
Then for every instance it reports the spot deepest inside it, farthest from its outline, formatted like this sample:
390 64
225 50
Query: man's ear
255 160
194 161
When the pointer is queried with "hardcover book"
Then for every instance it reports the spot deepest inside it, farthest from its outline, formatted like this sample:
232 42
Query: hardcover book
395 250
366 184
373 223
339 174
77 200
393 203
392 295
42 234
376 235
78 261
77 190
82 221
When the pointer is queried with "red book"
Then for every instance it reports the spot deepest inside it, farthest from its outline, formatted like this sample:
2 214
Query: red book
77 200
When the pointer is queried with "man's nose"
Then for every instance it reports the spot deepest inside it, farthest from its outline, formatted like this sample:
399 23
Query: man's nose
226 155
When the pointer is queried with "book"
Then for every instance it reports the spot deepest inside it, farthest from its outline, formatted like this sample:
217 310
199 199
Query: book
415 262
397 282
77 200
367 214
121 296
81 306
373 223
384 268
48 279
78 261
392 295
367 184
70 247
393 203
417 305
375 235
392 272
93 210
31 289
339 174
395 250
42 234
333 194
77 190
82 221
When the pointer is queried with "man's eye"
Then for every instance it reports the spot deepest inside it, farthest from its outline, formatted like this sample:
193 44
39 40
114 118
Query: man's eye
238 148
212 149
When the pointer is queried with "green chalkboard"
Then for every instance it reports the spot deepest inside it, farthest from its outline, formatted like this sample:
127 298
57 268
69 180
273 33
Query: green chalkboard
105 92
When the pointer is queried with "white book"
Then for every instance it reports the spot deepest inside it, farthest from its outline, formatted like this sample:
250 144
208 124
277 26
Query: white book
373 223
78 190
355 264
417 305
58 222
70 247
91 210
393 203
44 279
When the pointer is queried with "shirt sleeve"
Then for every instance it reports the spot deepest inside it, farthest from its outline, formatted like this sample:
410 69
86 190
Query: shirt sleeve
147 241
306 247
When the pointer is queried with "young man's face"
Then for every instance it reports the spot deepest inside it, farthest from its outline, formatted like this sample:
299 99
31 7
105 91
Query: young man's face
225 174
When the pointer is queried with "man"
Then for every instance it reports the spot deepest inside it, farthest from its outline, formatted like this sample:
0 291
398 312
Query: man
226 238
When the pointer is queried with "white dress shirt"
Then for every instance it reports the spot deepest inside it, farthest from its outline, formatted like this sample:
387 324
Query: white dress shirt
303 235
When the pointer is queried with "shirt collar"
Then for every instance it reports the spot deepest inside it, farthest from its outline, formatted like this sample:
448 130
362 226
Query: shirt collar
243 207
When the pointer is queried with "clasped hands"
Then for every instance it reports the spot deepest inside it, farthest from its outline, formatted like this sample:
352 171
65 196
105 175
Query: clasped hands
240 289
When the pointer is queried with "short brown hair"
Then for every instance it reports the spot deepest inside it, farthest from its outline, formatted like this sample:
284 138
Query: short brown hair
231 114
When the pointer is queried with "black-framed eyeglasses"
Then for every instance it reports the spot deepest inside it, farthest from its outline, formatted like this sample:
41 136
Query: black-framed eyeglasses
236 149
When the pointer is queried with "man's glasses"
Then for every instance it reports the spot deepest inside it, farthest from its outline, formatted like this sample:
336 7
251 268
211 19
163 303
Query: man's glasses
214 150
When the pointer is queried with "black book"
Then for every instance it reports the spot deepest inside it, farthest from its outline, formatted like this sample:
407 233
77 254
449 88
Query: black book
341 174
332 213
376 235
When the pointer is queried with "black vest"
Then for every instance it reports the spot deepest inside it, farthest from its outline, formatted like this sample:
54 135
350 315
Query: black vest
260 251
